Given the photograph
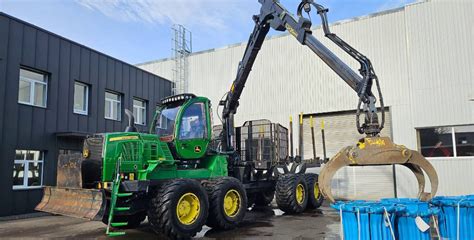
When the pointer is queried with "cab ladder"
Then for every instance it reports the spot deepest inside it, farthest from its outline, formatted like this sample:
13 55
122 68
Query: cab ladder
115 194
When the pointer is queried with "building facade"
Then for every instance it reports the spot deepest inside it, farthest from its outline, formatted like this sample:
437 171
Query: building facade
53 93
422 54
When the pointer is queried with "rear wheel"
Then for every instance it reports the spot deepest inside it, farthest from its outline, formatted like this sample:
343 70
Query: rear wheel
179 209
315 198
227 201
292 193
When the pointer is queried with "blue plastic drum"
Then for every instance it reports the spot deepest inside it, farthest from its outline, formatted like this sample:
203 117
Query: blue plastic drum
456 217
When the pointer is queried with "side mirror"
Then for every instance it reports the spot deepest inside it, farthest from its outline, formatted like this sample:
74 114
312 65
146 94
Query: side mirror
131 122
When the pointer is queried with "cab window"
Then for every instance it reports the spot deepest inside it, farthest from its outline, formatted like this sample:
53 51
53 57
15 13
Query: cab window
193 122
164 125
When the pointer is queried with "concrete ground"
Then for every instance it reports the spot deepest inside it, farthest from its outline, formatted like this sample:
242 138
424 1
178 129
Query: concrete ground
262 223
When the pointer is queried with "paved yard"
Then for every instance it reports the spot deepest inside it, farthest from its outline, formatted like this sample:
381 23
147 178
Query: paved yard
263 223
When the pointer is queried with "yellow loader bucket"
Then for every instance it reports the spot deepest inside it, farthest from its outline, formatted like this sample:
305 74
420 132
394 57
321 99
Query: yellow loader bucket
69 198
81 203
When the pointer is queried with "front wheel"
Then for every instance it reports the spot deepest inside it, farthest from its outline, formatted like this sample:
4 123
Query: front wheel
228 202
179 209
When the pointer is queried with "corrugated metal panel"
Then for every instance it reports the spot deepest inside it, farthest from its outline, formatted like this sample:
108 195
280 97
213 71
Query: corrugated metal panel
301 80
441 70
421 53
163 68
371 182
340 131
455 177
441 66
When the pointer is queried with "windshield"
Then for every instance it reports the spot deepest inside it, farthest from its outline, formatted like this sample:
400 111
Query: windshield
165 121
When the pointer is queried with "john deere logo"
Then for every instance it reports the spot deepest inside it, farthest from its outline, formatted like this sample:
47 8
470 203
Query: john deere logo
197 149
85 153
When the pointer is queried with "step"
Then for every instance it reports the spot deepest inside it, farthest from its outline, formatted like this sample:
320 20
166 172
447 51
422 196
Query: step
124 194
122 208
116 234
119 224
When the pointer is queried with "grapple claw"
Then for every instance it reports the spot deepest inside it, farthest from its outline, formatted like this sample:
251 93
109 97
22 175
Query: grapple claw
418 160
337 162
420 177
372 151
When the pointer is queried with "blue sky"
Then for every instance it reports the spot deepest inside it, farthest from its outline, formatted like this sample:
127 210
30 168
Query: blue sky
140 30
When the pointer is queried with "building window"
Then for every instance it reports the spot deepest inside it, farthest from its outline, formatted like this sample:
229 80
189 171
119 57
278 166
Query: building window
139 111
33 88
113 106
28 169
81 98
447 141
464 140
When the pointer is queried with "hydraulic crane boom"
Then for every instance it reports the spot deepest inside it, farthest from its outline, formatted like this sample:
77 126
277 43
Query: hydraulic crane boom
371 150
245 66
274 15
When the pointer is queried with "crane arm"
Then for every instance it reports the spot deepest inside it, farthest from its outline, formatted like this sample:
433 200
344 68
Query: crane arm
274 15
371 150
231 101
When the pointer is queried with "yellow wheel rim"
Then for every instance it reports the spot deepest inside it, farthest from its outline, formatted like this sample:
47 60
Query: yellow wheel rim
300 194
188 208
232 202
316 190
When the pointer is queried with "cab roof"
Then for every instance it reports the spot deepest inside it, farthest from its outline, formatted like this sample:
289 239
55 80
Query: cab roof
177 98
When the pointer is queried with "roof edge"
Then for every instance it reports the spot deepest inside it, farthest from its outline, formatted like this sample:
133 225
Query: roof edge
344 21
78 44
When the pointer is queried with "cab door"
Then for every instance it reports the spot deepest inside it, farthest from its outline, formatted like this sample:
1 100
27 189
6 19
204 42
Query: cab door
193 133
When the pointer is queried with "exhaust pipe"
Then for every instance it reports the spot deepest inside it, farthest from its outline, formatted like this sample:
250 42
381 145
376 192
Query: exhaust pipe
131 122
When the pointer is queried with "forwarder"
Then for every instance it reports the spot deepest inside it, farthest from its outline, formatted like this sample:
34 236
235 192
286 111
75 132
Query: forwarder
181 178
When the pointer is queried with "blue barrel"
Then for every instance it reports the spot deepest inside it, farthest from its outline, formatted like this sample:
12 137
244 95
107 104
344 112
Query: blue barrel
456 216
408 210
366 219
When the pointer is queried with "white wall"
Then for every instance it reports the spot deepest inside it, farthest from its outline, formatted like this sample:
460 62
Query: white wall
422 53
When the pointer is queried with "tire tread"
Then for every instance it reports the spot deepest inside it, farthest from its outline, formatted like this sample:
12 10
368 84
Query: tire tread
286 195
313 203
214 188
159 213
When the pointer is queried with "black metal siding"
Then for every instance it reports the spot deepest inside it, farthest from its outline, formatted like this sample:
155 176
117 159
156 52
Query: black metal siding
35 128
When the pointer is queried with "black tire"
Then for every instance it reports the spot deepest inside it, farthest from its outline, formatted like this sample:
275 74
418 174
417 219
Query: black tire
162 213
286 196
264 198
217 190
315 197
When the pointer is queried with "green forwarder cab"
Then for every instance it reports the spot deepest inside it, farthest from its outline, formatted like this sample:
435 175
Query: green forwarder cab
176 175
176 147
